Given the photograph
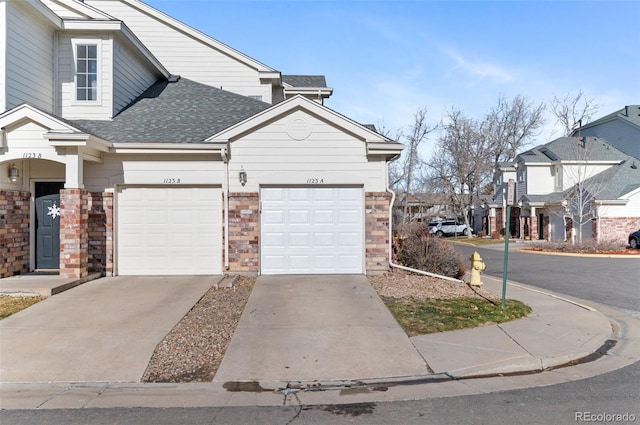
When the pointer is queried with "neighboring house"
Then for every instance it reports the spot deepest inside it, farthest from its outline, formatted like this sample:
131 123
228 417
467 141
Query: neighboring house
572 189
132 144
495 206
620 129
423 207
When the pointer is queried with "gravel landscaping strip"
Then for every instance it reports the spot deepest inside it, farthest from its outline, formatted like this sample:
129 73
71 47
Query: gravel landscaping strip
193 350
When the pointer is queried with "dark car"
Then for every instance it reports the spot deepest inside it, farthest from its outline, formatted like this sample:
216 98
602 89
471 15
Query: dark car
634 239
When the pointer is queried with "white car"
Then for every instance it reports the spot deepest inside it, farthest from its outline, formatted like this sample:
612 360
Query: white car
447 227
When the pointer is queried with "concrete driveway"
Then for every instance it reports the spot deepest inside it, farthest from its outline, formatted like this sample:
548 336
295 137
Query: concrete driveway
103 331
316 328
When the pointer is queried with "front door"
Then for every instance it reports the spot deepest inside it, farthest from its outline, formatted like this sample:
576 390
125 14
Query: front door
47 199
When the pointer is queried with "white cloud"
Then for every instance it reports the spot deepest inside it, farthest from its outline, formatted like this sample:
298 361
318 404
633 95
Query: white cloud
480 70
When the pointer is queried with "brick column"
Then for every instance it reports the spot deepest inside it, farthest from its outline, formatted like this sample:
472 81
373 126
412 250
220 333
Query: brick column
100 232
14 232
377 231
493 226
534 227
74 233
244 231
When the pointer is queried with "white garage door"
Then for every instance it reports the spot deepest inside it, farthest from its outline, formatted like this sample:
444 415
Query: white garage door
169 231
311 230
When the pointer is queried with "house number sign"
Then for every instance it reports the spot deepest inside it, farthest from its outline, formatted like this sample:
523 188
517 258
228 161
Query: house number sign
315 181
32 155
171 180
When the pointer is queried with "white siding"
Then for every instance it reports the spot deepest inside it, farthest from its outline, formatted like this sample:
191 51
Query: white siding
70 108
26 140
152 170
539 180
130 77
3 55
573 174
632 209
29 56
183 55
328 156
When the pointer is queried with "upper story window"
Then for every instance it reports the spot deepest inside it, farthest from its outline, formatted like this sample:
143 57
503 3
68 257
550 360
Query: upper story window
86 72
522 175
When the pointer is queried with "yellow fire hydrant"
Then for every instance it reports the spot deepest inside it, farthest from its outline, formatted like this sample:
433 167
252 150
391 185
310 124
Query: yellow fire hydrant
477 266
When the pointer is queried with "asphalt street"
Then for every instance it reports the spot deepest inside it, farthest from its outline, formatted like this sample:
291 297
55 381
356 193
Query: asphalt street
611 281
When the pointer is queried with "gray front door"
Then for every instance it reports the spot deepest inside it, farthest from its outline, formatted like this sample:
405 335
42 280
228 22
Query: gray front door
47 199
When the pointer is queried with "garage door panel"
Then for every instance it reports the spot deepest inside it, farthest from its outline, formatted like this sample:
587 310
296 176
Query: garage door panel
324 217
300 240
169 230
319 233
298 217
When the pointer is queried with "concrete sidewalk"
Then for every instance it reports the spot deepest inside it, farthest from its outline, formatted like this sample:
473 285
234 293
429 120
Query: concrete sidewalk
304 356
557 332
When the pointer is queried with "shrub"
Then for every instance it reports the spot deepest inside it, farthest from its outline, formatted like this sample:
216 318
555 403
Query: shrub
431 254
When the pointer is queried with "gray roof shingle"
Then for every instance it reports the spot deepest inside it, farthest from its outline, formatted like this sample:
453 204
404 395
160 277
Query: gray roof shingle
180 112
629 113
573 148
305 80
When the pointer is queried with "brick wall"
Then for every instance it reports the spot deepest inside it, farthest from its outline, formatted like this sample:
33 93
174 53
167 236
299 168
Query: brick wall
74 242
377 231
616 228
14 232
100 232
244 231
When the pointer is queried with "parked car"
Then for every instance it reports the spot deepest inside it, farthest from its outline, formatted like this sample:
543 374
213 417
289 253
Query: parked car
447 227
634 239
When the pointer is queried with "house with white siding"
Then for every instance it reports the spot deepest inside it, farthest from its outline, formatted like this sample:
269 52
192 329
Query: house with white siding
571 189
131 143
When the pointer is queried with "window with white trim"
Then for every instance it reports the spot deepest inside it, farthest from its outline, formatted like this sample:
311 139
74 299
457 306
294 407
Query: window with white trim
86 72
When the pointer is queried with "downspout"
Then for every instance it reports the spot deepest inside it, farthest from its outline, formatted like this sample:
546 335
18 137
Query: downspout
398 266
225 194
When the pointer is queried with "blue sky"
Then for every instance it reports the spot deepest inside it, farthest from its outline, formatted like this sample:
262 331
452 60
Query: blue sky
387 59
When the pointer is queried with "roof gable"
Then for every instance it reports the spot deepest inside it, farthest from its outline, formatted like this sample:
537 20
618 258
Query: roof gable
629 114
26 112
297 103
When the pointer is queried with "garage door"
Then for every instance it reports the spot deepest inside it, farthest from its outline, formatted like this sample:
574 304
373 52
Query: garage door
311 230
169 231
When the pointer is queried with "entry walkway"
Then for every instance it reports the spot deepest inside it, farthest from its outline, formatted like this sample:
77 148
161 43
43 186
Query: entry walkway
317 328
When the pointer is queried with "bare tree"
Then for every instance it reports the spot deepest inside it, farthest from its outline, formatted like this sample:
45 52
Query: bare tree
585 180
461 162
409 169
573 111
510 125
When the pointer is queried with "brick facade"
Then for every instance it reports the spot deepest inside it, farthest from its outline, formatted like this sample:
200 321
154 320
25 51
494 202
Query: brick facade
615 228
244 232
14 232
74 239
377 231
100 232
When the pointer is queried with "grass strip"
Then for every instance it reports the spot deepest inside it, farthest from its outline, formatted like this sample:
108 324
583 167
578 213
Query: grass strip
440 315
10 304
